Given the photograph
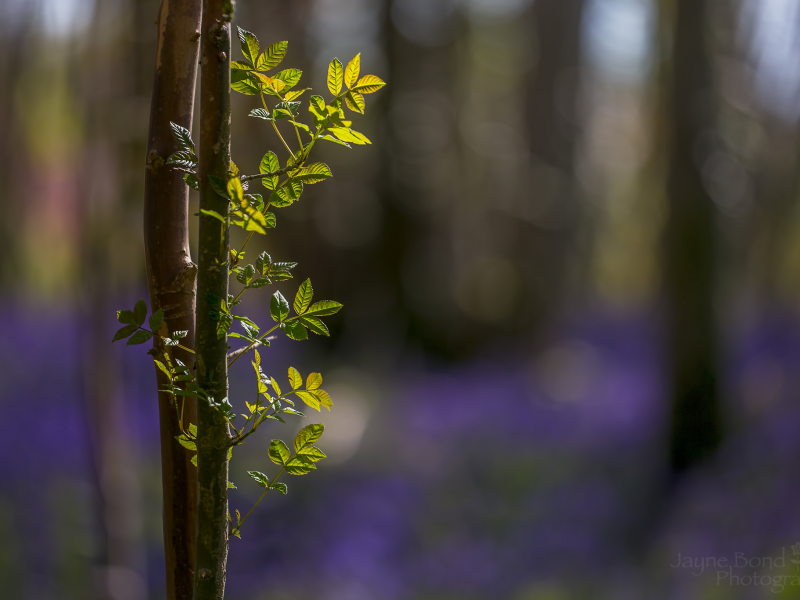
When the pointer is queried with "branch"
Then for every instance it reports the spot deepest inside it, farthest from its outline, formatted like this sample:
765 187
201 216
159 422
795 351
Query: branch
292 167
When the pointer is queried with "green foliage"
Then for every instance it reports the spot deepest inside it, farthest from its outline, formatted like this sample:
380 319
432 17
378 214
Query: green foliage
280 100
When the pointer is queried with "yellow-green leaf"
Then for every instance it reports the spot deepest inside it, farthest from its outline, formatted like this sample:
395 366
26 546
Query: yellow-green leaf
303 297
348 135
309 399
235 190
272 56
355 101
323 398
352 70
290 77
335 76
295 94
313 381
294 378
308 435
275 385
369 84
313 173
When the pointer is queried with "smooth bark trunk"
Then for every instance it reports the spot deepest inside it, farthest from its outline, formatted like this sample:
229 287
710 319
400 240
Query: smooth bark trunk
171 274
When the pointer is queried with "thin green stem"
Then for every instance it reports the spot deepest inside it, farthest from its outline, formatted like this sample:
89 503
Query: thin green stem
261 337
259 500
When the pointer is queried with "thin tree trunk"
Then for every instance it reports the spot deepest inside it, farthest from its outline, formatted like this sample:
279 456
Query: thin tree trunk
690 249
171 273
213 436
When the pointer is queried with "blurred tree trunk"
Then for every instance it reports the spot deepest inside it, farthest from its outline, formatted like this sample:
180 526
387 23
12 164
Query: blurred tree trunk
554 132
171 274
690 244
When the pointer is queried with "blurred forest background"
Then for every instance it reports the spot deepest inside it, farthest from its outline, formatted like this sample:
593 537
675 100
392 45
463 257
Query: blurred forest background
570 265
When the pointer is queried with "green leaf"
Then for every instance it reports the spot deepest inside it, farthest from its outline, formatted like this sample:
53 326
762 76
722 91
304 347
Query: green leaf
182 137
294 378
323 398
315 325
263 262
322 308
235 190
279 487
124 332
244 83
352 70
308 435
194 460
212 213
236 65
269 164
140 312
156 319
335 77
245 275
278 307
179 335
312 453
291 411
231 486
260 113
191 181
313 381
348 135
309 399
316 106
368 84
289 76
219 186
295 331
278 452
295 94
330 138
299 465
193 429
260 478
303 297
163 369
272 56
313 173
250 46
355 102
302 126
186 442
286 194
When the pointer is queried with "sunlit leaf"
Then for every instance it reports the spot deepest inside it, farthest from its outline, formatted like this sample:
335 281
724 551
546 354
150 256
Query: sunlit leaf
294 378
330 138
240 66
279 307
278 452
250 47
289 76
348 135
335 77
243 82
279 487
272 56
295 331
294 94
355 101
313 173
322 308
182 136
323 398
299 465
260 478
312 453
308 435
313 381
275 385
303 297
260 113
186 442
352 70
368 84
235 191
315 325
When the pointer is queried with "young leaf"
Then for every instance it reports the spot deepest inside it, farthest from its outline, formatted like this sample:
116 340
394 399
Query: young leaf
355 102
182 137
312 453
323 398
250 46
308 435
309 399
285 195
315 325
260 478
124 332
368 84
186 442
279 307
156 319
303 297
236 65
278 452
290 77
279 487
163 369
313 381
263 262
330 138
140 312
295 331
231 487
348 135
352 70
191 181
313 173
294 378
322 308
335 76
299 465
218 185
294 94
272 56
212 213
235 190
244 82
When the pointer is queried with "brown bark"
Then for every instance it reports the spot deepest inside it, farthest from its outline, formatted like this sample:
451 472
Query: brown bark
213 436
171 273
